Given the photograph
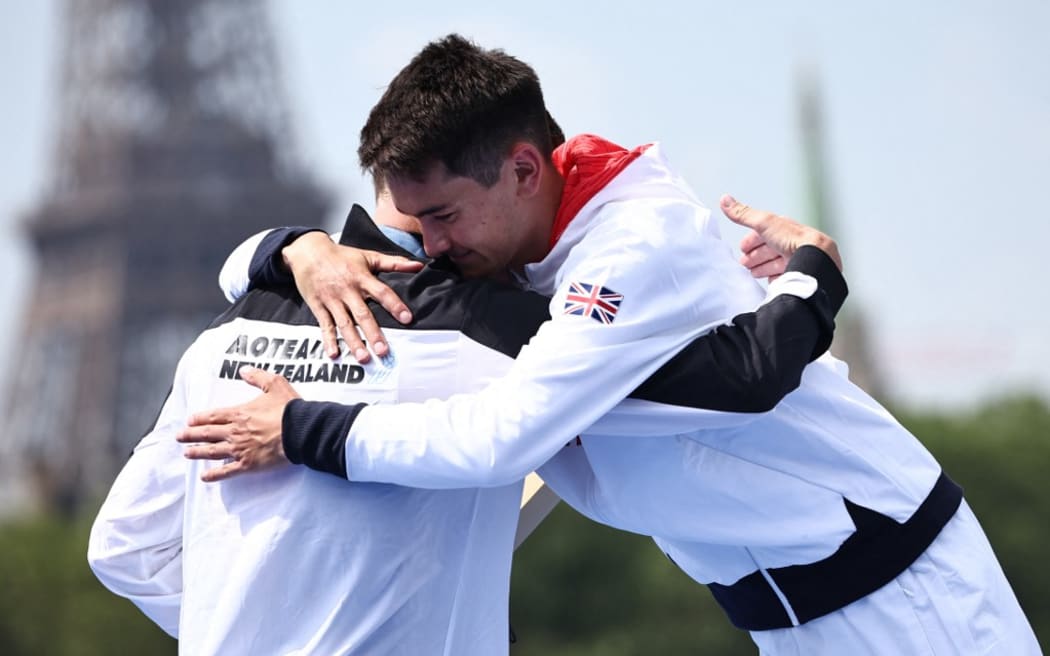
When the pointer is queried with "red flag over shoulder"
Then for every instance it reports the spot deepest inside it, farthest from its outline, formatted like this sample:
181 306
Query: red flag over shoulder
587 163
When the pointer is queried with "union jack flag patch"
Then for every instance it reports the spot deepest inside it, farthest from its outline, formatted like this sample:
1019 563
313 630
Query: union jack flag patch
594 301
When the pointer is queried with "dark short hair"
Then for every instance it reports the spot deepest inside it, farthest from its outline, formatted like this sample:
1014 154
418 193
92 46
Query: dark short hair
460 105
557 136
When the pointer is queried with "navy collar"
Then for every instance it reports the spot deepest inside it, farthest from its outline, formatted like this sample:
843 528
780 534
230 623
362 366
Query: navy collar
360 231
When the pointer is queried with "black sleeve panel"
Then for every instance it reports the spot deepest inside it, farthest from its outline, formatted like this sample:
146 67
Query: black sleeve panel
753 362
267 267
313 433
745 366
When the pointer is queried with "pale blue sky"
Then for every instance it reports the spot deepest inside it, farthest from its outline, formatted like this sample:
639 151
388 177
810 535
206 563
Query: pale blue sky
938 127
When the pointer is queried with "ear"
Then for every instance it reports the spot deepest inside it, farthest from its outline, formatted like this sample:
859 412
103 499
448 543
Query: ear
527 164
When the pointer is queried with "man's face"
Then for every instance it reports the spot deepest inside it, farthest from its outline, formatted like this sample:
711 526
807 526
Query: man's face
483 230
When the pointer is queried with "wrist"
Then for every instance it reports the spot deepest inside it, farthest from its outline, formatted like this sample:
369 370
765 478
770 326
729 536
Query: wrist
828 245
299 249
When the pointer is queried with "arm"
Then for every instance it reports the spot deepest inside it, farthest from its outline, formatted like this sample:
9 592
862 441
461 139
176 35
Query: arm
135 546
722 378
573 372
760 354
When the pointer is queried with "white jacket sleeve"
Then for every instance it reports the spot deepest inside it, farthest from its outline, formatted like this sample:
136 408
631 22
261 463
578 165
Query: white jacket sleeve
671 288
235 277
135 546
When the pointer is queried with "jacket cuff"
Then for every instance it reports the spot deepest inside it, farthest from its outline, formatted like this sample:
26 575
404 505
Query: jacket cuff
812 261
313 433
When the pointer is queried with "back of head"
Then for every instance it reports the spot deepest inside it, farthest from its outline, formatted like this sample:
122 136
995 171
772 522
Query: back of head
459 105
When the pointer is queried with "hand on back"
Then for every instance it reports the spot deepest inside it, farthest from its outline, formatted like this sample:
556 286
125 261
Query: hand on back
336 283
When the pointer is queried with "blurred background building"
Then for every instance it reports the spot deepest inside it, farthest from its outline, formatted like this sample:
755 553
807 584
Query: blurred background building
173 144
852 342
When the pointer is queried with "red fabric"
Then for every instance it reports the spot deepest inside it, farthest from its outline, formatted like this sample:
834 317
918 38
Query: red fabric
588 163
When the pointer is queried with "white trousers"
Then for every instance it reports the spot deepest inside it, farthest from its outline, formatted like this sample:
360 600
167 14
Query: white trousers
954 600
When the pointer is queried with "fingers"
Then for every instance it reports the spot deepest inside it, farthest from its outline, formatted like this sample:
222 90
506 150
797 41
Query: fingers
744 215
333 316
779 233
772 269
759 256
368 286
329 336
257 377
209 433
228 470
391 303
280 388
346 300
383 262
751 241
389 300
217 451
782 234
216 416
764 262
379 291
361 316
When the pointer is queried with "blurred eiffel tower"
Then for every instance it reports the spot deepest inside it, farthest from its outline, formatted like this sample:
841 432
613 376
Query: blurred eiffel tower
173 145
852 342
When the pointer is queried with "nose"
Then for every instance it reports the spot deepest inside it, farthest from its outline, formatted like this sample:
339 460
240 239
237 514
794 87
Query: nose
435 239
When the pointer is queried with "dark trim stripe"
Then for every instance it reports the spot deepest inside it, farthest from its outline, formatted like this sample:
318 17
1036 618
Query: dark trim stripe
874 555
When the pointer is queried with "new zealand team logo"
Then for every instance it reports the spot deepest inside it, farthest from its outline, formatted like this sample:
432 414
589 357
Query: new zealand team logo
594 301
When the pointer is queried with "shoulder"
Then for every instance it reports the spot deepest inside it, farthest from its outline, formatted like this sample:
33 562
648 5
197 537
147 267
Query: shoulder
664 238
